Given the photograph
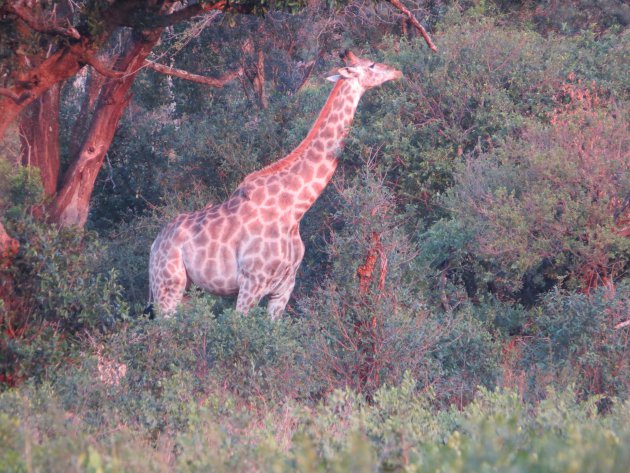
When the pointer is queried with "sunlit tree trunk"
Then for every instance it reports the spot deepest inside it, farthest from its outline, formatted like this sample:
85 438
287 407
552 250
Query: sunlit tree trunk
71 205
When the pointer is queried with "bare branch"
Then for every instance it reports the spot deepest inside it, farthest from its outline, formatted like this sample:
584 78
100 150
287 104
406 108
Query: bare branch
39 24
101 68
211 81
398 4
622 324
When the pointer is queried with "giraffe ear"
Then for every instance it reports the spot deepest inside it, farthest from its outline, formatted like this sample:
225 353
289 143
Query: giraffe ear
348 72
344 73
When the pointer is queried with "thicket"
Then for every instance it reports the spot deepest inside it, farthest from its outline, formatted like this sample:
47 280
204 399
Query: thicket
463 298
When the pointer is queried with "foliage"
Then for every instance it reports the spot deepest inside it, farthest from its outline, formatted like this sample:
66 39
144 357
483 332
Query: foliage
171 365
55 288
538 209
369 321
20 188
575 341
399 430
58 294
463 301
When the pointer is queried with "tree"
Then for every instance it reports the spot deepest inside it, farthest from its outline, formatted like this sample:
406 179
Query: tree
35 79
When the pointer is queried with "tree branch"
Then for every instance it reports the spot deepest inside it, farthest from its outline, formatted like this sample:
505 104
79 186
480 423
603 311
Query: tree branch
40 25
101 68
398 4
211 81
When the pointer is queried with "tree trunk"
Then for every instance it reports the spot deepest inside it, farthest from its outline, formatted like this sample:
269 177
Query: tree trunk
71 206
39 136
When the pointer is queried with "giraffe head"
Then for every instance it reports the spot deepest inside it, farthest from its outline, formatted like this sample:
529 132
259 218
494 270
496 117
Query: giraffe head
367 73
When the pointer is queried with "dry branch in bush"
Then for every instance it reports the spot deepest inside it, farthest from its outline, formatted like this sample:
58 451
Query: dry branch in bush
8 247
366 270
398 4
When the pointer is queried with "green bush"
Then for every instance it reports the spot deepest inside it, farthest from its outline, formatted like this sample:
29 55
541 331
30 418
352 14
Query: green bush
400 429
58 286
575 342
369 321
536 212
171 365
59 293
20 187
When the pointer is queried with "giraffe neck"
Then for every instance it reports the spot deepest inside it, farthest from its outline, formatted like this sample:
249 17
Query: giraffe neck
314 161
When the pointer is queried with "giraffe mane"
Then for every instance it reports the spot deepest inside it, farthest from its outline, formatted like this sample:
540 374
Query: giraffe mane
293 155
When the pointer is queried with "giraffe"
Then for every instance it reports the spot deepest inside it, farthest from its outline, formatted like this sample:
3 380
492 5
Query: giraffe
250 245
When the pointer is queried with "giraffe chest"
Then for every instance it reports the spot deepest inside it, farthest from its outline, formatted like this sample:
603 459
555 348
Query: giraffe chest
270 249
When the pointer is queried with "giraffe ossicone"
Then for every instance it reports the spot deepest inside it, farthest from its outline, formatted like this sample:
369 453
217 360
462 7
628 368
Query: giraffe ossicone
250 245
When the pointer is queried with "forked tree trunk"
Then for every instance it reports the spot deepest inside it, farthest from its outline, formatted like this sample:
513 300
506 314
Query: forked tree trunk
71 205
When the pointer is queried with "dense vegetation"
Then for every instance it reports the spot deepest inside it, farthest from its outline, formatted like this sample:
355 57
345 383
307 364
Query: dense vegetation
491 335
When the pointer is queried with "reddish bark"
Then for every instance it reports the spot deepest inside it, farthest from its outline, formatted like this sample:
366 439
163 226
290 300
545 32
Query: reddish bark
93 87
412 19
79 50
211 81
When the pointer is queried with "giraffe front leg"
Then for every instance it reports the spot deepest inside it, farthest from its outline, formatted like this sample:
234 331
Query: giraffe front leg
249 295
278 300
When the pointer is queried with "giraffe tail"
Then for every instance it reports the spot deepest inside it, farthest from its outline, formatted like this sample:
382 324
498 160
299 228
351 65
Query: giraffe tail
149 312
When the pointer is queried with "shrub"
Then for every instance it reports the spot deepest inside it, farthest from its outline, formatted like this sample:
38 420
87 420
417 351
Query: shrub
59 293
172 365
369 321
54 288
368 326
400 429
575 342
542 209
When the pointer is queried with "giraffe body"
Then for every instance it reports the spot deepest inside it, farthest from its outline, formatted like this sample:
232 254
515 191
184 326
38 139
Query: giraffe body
250 245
